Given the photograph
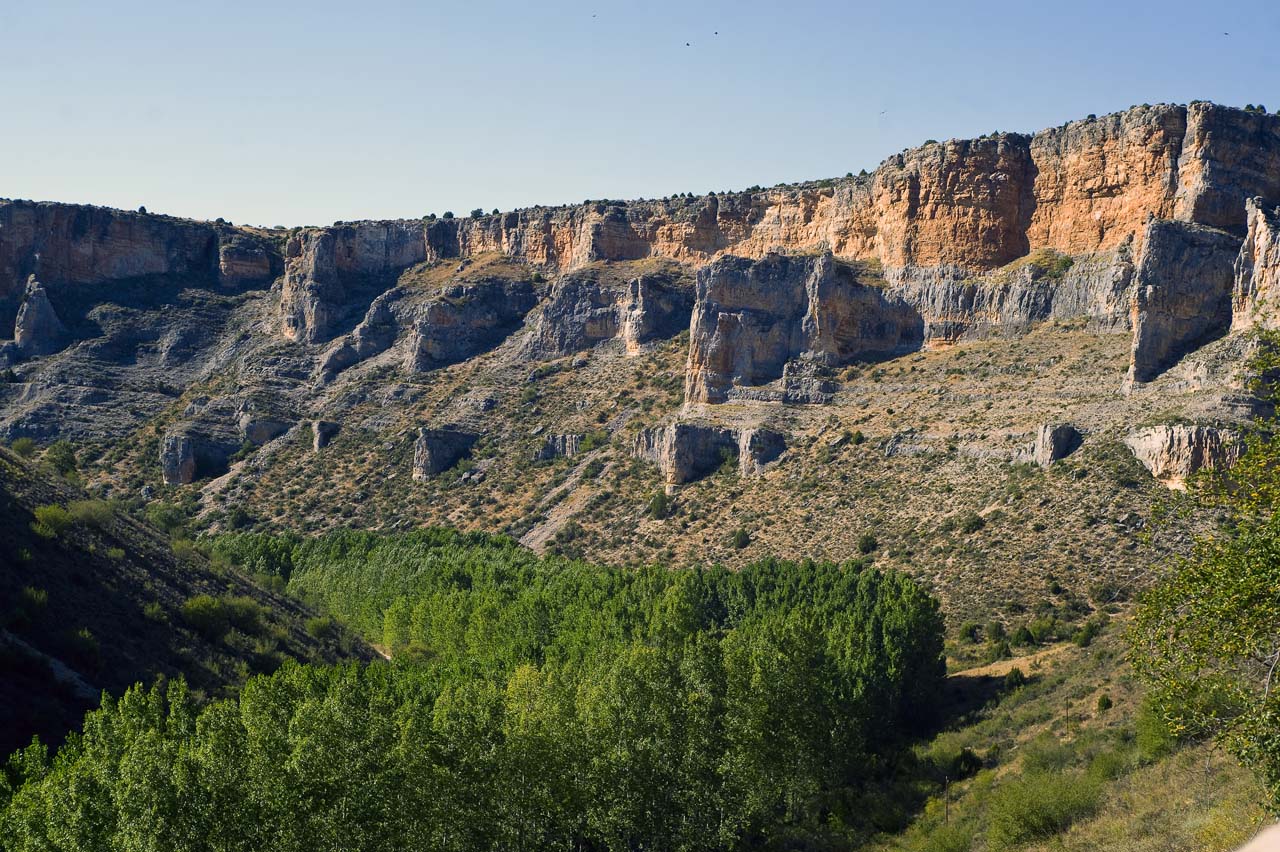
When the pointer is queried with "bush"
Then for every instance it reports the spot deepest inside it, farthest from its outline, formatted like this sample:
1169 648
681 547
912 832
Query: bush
62 457
166 516
1039 806
323 628
1015 679
93 513
740 539
858 437
659 505
972 522
51 521
24 447
969 631
1152 734
994 631
1022 637
477 213
867 543
1104 703
214 617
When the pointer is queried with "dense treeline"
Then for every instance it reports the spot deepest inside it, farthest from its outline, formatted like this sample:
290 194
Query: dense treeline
531 704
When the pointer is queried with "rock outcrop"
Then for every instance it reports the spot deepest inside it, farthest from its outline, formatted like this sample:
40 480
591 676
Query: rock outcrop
372 336
37 330
1256 297
246 261
1173 452
1182 293
178 459
1055 441
322 433
559 446
437 450
751 317
757 447
686 451
323 266
591 306
465 319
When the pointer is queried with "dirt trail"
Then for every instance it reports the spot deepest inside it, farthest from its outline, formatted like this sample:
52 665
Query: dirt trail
1000 668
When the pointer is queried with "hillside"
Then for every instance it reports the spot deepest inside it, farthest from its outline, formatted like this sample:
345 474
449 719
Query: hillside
987 358
93 598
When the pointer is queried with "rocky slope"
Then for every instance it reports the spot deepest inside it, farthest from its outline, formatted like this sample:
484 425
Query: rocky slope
648 343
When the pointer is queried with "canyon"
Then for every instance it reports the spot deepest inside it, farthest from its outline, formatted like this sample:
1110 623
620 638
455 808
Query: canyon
193 356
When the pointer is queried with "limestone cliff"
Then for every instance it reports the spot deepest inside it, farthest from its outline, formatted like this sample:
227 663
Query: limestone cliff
1182 293
751 318
1257 271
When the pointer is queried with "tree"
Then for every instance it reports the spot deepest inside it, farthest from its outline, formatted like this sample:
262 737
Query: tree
477 213
1207 637
24 447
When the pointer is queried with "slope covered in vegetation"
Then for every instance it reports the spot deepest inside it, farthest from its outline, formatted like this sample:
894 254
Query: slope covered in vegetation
93 597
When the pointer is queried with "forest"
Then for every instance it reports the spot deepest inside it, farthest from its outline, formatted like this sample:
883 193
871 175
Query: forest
529 703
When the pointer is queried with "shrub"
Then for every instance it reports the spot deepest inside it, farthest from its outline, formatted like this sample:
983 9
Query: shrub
115 553
1151 731
659 505
323 627
62 457
1104 703
214 617
24 447
1022 636
994 631
448 214
51 521
34 597
858 437
477 213
867 543
153 612
93 513
1039 806
969 631
740 539
972 522
166 516
1015 679
82 645
592 440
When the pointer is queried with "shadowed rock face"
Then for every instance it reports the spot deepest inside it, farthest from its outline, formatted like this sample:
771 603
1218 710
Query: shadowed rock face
1257 270
1182 293
464 320
1174 452
1055 442
751 318
689 451
586 308
38 331
437 450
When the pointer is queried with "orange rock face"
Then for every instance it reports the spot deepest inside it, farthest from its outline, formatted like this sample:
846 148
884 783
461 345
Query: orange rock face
1084 187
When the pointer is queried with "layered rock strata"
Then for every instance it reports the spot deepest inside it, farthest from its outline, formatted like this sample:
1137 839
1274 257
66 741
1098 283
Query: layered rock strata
686 451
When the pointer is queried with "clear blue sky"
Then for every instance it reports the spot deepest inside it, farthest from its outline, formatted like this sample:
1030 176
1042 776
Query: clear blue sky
303 113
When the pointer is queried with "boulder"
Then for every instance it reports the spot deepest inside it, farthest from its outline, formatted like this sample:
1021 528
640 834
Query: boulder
1054 442
1173 452
437 450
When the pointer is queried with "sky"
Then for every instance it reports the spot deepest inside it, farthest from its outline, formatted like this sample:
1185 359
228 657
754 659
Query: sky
296 113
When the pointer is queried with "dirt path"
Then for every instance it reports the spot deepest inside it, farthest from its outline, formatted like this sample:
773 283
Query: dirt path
536 539
1000 668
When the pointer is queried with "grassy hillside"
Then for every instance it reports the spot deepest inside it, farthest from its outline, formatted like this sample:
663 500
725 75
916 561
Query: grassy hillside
93 597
